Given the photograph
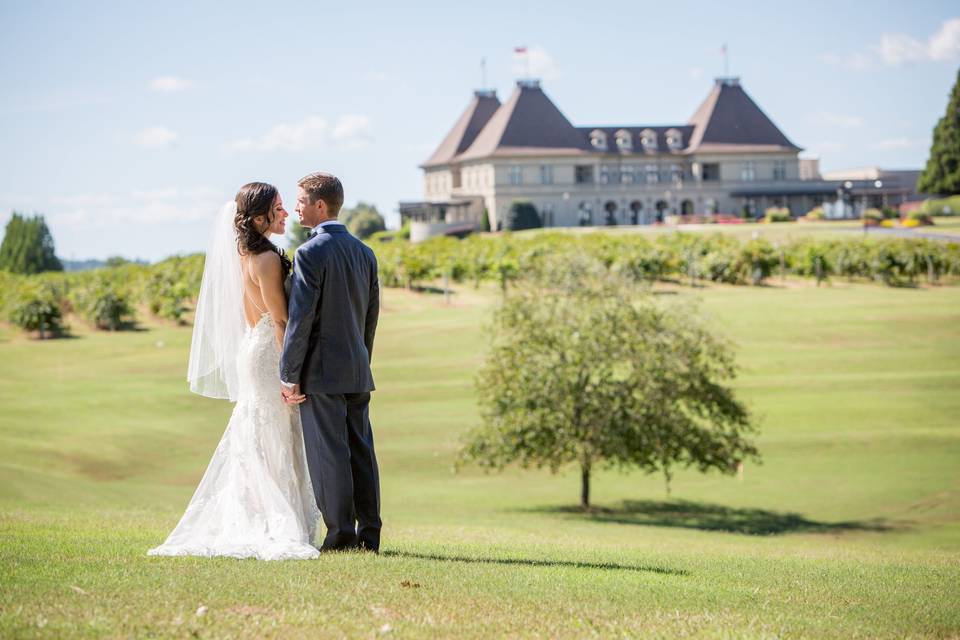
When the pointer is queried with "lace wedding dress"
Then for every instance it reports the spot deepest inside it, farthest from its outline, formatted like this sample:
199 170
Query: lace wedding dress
255 499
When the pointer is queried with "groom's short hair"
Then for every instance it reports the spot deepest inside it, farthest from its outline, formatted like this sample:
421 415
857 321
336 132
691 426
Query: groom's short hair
326 187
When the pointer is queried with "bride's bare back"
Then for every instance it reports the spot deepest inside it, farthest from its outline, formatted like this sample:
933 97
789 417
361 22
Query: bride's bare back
263 291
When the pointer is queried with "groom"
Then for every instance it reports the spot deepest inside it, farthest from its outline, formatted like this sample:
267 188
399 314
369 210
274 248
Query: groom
325 365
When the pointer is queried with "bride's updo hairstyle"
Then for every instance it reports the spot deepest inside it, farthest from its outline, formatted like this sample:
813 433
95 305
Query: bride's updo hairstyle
256 199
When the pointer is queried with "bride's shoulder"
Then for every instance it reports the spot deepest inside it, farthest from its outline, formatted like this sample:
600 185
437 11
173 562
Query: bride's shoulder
266 263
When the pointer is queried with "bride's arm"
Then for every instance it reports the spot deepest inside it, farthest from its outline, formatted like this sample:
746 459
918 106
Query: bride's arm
269 274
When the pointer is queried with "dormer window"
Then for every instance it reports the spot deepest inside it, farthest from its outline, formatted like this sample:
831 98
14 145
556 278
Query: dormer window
598 139
624 140
648 138
674 140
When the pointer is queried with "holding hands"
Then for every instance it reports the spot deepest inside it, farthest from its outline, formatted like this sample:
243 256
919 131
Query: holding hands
291 393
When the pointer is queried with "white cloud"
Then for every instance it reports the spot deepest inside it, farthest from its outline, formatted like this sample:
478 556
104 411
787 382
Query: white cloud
696 72
944 45
825 118
896 49
351 131
297 136
536 62
139 206
156 137
892 144
170 84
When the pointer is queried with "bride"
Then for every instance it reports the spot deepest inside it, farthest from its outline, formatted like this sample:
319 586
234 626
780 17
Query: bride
255 499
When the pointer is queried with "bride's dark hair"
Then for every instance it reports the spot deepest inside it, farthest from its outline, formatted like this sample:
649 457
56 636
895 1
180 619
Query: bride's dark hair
256 199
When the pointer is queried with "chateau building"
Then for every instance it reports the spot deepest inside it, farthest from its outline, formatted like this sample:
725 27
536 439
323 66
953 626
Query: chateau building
729 158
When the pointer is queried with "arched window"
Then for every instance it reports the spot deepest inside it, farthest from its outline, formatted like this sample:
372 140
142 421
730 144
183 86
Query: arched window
624 140
598 139
648 138
611 208
674 140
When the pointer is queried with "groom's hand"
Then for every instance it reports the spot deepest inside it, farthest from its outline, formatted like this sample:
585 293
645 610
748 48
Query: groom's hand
291 394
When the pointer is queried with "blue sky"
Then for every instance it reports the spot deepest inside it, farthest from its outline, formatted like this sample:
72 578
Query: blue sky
128 124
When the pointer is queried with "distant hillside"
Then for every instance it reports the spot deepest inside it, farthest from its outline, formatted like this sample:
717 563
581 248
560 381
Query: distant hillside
86 265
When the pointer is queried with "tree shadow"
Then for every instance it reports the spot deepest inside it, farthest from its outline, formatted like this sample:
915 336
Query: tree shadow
529 562
713 517
430 290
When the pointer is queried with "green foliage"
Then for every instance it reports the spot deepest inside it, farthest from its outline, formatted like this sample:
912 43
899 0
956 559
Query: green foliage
523 215
675 256
586 369
777 214
36 307
942 173
485 221
873 214
366 223
105 305
941 206
28 246
347 215
297 235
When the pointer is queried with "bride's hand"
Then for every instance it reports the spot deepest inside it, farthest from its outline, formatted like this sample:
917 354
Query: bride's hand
292 395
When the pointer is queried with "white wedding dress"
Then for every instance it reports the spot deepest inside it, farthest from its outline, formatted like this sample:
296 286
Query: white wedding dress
255 499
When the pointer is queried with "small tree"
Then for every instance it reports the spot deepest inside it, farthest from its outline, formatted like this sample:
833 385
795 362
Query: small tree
523 215
942 173
485 221
586 369
366 223
36 308
28 246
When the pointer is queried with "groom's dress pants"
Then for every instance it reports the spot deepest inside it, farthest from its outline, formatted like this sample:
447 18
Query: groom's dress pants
343 467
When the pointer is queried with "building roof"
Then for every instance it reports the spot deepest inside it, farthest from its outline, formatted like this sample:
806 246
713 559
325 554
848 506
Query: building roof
484 104
528 120
729 120
530 124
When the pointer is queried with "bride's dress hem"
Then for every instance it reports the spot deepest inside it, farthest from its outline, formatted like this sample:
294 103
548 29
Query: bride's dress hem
256 552
255 499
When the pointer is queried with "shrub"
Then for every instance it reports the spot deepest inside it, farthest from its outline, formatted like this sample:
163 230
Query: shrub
917 218
36 308
777 214
941 206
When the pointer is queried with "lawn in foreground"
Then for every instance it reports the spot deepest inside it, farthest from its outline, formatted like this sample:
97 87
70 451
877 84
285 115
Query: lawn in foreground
851 526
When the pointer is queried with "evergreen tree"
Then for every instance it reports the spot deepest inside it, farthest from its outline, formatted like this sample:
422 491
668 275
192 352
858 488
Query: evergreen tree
485 220
28 246
942 174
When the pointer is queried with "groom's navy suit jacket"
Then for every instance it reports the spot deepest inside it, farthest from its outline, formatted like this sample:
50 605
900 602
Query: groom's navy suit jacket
333 311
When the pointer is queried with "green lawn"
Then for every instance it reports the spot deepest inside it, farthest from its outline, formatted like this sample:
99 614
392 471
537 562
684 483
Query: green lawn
849 528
